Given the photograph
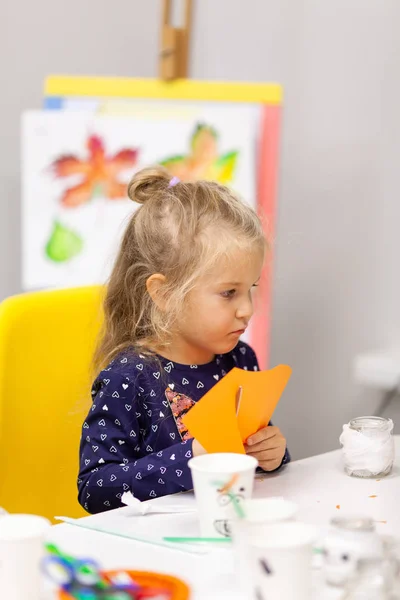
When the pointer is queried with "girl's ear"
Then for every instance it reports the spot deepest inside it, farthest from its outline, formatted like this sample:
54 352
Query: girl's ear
155 285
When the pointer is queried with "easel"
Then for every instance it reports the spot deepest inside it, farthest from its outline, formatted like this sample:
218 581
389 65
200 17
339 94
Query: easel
174 54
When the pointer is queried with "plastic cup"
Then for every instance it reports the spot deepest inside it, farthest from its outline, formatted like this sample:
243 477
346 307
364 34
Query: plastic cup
21 551
278 560
260 513
221 484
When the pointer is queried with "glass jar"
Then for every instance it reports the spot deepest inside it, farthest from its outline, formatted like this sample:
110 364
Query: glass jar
370 582
350 539
368 447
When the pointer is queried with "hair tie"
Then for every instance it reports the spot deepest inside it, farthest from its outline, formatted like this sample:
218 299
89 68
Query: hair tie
173 182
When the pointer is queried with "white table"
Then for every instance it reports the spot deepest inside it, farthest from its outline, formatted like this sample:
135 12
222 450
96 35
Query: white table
318 485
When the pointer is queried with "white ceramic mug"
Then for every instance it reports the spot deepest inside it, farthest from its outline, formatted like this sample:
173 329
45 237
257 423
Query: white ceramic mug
278 565
221 483
21 551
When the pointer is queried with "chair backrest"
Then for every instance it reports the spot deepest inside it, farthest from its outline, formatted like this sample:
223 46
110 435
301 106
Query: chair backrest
47 340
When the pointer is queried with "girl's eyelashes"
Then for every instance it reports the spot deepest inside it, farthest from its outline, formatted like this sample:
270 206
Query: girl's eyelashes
228 293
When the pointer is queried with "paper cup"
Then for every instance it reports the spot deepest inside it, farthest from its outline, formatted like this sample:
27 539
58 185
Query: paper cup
21 551
221 483
278 561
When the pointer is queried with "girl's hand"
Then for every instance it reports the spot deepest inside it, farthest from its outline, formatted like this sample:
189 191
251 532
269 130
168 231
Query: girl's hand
197 449
268 446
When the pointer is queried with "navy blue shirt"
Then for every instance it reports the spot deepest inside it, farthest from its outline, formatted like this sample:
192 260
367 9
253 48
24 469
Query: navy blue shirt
133 438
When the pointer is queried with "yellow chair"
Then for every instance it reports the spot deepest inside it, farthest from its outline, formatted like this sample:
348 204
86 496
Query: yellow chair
46 344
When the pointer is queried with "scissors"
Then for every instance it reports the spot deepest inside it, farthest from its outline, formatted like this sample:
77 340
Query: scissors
82 578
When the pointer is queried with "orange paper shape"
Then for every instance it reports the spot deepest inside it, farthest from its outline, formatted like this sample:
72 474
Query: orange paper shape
213 421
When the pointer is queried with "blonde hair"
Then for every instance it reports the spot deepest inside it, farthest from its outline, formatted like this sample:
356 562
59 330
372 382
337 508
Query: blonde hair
179 232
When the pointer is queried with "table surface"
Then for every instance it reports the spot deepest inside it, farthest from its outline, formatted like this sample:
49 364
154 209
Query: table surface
318 485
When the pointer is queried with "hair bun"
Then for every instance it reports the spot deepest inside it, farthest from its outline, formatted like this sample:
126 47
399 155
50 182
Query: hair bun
145 183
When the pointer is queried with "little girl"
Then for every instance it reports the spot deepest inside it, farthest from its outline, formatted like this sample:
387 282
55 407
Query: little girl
178 300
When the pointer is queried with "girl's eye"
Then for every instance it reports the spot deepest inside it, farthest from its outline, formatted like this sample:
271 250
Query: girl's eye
228 293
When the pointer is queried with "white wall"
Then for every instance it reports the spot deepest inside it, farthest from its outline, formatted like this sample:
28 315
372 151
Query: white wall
336 287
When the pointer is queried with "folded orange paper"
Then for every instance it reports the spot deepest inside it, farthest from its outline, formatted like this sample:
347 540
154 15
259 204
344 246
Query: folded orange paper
213 420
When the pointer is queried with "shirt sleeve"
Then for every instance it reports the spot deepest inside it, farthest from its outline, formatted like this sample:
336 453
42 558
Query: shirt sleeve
250 363
111 455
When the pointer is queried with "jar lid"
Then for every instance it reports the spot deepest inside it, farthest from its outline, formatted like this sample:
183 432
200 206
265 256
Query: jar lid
353 523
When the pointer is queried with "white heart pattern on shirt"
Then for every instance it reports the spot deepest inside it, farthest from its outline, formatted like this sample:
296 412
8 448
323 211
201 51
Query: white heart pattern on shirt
150 467
105 407
125 386
149 449
101 461
141 389
128 407
152 494
95 448
138 475
117 422
164 402
100 482
161 481
159 453
200 385
140 367
124 360
113 449
193 366
103 437
102 422
184 381
149 413
87 461
106 503
126 468
156 375
171 386
113 478
243 350
115 395
100 394
172 436
93 407
85 425
172 457
132 433
125 461
167 368
120 442
154 427
126 487
138 415
179 472
88 438
152 393
216 377
188 454
162 470
118 496
106 381
161 414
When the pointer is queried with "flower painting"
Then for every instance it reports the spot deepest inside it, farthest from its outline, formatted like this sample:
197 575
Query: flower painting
202 160
98 176
76 166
